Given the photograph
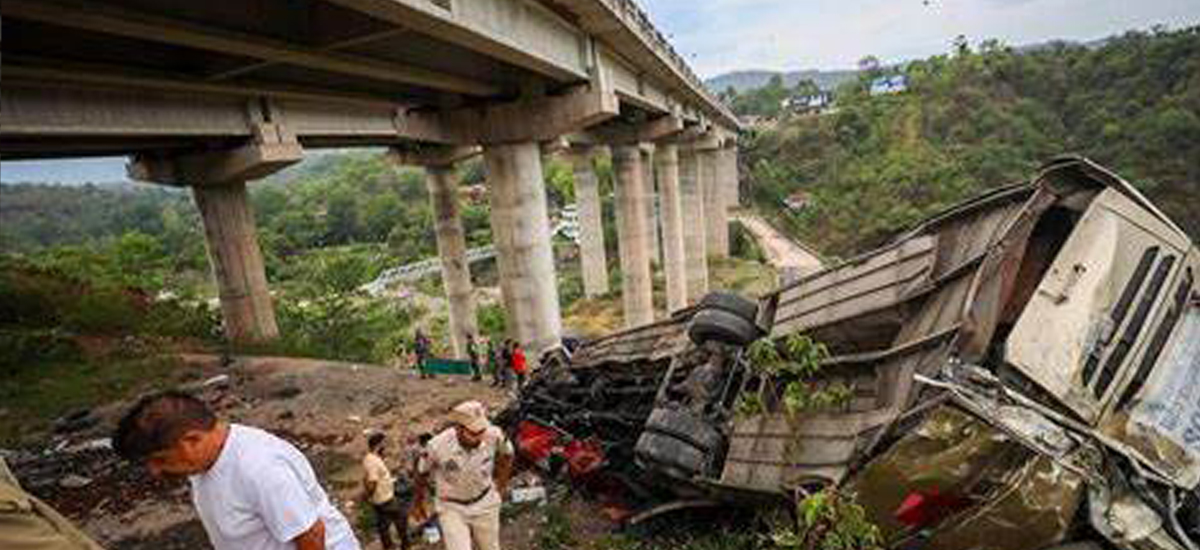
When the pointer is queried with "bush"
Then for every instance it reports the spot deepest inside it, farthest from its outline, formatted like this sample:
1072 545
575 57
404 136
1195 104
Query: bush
21 347
182 318
828 520
103 311
490 321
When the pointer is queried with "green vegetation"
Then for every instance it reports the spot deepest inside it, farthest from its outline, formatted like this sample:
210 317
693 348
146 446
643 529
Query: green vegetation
971 120
828 520
767 101
795 362
38 393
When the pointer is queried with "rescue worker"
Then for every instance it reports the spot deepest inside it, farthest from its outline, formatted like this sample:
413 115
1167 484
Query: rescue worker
471 465
27 523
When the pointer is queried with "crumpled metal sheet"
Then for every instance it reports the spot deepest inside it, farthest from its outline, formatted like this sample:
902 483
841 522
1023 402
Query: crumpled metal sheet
1014 498
1032 509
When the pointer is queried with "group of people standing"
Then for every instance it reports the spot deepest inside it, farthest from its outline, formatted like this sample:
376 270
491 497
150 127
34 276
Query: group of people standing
466 468
506 361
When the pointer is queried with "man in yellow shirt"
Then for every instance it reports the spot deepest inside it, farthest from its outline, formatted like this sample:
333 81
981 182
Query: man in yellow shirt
379 487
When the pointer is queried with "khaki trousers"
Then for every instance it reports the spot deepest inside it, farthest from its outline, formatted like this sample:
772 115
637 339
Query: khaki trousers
464 525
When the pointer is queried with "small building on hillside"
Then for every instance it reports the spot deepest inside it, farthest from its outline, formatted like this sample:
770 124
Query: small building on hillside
807 103
797 201
891 84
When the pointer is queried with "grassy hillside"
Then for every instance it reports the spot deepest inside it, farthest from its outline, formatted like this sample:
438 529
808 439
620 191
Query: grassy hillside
971 120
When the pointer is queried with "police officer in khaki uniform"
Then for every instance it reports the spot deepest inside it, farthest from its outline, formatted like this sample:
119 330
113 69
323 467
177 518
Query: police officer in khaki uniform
27 523
471 464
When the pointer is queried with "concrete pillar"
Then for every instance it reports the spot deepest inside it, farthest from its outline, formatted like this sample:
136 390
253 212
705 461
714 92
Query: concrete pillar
666 160
695 249
452 249
732 187
715 216
591 225
521 230
237 262
652 213
633 236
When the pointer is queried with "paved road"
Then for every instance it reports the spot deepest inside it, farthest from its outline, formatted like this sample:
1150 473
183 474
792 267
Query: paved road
782 253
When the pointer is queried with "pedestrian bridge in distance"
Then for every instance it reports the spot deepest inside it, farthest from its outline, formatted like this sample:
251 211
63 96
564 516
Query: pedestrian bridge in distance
214 94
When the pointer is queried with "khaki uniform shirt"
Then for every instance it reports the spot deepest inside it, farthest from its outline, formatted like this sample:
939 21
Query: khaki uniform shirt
462 474
27 523
377 472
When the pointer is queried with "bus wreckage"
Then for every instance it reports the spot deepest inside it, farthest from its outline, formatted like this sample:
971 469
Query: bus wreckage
1020 372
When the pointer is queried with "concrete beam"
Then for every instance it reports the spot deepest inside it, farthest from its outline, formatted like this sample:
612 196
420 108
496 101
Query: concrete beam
272 148
521 32
134 24
592 255
46 74
633 236
435 155
539 119
644 133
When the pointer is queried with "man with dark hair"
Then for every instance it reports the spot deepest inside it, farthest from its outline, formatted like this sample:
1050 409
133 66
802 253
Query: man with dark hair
379 486
251 489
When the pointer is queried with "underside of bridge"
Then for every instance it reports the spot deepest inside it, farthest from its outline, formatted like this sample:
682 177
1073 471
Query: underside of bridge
212 95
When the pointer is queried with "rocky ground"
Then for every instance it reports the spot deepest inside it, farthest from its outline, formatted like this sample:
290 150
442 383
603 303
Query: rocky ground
323 407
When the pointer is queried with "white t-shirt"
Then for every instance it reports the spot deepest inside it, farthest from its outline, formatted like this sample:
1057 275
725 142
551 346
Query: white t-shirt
261 493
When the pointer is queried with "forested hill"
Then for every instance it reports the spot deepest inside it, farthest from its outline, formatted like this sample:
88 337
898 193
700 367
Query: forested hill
978 118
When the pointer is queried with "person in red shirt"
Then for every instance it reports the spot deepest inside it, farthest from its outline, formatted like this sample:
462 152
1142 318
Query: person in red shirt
519 365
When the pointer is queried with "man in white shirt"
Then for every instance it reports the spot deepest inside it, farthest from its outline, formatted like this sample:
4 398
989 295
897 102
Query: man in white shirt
471 464
252 490
380 489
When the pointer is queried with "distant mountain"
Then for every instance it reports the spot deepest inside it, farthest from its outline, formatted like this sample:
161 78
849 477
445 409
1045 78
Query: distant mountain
745 80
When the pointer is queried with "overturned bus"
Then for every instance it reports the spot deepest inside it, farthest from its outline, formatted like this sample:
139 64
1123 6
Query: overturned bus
1019 372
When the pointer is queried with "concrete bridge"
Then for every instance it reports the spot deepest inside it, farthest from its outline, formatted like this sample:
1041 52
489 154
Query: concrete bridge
212 95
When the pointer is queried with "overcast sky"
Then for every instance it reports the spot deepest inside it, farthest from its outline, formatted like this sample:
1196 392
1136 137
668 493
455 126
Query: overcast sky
718 36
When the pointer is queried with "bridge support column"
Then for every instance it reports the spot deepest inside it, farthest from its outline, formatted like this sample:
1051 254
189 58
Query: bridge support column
452 249
666 160
521 231
591 225
729 160
633 236
652 213
715 216
237 263
694 228
218 181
